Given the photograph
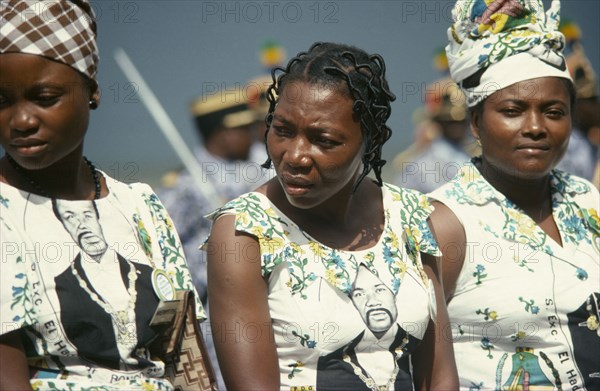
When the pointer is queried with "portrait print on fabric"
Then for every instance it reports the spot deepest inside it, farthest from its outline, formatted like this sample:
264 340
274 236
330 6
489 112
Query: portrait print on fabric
103 291
95 264
77 284
354 365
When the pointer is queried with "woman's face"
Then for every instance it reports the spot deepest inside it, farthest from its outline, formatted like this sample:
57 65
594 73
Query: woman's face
524 128
44 109
315 142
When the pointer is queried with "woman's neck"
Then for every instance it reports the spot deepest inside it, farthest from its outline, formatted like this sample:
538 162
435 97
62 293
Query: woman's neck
349 221
532 195
70 178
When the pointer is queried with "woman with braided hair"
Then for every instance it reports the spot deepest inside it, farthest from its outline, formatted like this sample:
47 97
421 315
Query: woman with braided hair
324 278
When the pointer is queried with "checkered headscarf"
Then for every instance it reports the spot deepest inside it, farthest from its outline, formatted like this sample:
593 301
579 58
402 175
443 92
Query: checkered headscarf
63 31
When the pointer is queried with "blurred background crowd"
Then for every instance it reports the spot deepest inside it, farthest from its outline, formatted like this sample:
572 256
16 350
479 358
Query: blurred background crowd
191 50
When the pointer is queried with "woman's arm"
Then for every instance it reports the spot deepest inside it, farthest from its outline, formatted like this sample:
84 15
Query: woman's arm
239 310
434 367
450 236
14 371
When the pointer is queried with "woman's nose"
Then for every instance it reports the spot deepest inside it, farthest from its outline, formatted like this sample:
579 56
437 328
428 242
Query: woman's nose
298 154
23 118
534 124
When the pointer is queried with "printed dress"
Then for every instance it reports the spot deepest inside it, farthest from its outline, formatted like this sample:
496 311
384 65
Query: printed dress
319 296
76 280
525 309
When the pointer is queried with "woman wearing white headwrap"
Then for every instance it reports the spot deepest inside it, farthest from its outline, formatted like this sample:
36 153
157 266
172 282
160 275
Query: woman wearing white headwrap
80 252
520 239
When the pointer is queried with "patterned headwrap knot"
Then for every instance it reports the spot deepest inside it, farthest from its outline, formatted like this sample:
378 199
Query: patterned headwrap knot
63 31
496 43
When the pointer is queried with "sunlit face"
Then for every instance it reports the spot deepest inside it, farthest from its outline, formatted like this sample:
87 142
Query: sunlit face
374 301
81 221
44 109
315 143
524 128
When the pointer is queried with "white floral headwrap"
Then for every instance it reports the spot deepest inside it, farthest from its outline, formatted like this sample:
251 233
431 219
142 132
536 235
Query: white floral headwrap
63 31
496 43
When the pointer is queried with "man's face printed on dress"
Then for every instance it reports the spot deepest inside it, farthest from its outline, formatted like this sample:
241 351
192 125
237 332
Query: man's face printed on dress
374 301
81 221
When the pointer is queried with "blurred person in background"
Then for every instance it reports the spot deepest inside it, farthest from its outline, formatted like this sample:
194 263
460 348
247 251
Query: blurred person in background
582 156
224 122
226 126
442 141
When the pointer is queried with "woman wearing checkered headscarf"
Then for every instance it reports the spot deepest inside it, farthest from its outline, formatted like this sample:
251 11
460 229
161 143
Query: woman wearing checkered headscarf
80 251
521 240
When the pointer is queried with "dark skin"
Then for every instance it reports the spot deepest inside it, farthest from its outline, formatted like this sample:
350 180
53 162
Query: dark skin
523 135
44 112
13 363
315 143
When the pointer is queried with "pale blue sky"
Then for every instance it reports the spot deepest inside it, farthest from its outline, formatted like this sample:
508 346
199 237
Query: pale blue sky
181 47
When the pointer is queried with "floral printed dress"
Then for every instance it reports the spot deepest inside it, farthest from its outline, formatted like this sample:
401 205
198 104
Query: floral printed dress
322 341
76 280
525 309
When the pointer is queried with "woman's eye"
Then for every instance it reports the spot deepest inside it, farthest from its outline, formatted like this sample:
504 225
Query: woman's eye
47 100
327 142
510 111
555 113
280 131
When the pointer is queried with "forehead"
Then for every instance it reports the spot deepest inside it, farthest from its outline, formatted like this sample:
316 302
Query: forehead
366 279
21 68
315 106
75 207
535 90
318 93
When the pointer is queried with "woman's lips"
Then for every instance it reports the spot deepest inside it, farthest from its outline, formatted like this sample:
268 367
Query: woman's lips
30 150
28 147
534 148
296 186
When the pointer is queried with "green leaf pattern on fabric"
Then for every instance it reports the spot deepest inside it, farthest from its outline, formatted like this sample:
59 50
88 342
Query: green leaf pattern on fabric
21 298
256 216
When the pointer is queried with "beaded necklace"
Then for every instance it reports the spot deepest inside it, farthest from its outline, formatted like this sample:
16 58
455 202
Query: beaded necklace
43 192
367 379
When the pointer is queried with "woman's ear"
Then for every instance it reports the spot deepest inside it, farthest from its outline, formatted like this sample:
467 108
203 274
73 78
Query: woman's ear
475 118
94 95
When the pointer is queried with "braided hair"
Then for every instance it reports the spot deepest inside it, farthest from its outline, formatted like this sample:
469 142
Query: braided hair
353 73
